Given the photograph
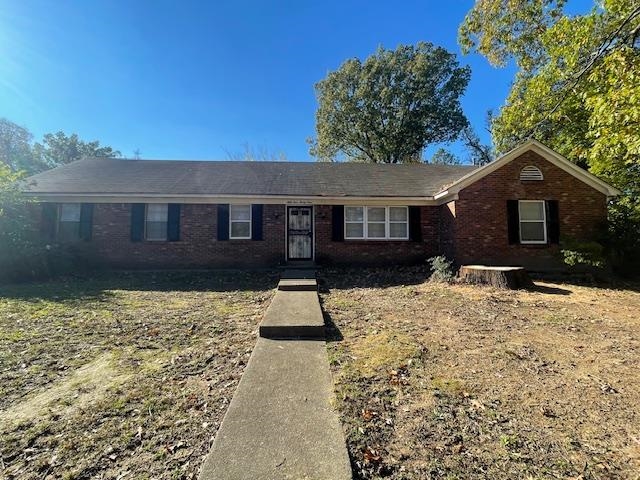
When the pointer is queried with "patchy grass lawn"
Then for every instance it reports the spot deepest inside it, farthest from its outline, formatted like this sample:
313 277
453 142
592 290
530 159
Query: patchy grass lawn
462 382
123 376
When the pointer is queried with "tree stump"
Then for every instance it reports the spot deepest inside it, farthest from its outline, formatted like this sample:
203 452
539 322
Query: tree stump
501 277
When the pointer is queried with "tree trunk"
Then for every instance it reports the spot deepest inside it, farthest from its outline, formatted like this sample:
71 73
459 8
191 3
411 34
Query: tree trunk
501 277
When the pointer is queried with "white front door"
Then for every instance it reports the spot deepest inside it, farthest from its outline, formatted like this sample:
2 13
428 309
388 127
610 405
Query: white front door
299 233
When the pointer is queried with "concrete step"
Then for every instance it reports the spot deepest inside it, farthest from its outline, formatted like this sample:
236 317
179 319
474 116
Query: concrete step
280 424
293 314
299 285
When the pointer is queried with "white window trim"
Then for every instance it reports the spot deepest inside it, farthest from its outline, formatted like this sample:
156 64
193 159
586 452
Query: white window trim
146 213
544 222
250 221
59 218
365 223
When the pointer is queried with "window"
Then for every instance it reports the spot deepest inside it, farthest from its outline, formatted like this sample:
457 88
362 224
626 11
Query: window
69 221
376 223
533 224
399 222
530 173
354 222
156 221
240 221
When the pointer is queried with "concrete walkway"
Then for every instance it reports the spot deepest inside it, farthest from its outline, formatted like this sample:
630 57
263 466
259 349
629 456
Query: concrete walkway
280 424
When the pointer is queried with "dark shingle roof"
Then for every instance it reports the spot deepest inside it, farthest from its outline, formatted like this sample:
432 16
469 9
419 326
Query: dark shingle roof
175 177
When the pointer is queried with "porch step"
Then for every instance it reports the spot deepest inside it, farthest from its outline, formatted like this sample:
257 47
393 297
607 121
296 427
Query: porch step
293 314
298 280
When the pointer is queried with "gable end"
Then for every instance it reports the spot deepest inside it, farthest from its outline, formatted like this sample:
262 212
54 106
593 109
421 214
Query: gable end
541 150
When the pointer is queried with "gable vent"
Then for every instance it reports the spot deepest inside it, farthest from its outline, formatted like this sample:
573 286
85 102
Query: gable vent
530 173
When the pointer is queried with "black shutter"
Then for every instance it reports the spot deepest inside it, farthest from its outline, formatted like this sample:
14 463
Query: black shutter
256 222
173 222
513 221
137 221
553 221
223 221
337 223
415 224
49 219
86 221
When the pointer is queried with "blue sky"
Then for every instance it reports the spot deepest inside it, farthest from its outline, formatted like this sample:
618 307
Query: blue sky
196 80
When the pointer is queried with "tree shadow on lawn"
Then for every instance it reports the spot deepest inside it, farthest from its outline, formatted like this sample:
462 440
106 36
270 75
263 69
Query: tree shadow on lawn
547 290
583 280
371 277
99 286
381 277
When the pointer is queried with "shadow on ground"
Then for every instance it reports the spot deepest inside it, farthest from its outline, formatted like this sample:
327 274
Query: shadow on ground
333 333
346 278
100 285
549 290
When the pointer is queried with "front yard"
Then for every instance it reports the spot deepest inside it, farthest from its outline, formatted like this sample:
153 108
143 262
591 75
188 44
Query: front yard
461 382
129 375
125 376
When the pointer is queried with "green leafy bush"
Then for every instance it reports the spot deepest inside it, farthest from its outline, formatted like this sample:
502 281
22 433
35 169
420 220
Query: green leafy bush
588 254
441 269
24 255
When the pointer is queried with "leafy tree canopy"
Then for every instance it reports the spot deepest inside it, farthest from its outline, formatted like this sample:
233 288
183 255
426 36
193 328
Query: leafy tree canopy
578 84
444 157
389 107
59 148
19 152
577 88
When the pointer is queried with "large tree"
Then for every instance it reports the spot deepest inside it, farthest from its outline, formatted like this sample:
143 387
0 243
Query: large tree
577 87
388 108
59 148
578 84
16 147
19 152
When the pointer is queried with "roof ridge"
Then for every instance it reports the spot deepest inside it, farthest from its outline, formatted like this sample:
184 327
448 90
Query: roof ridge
273 162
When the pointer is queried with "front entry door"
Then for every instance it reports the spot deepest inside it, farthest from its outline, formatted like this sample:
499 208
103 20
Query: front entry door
299 233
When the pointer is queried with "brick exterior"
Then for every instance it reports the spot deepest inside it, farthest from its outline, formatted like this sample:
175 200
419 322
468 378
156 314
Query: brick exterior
480 232
197 247
375 252
472 229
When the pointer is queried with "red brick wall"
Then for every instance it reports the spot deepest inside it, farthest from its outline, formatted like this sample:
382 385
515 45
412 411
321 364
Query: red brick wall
473 229
447 229
374 252
480 232
197 247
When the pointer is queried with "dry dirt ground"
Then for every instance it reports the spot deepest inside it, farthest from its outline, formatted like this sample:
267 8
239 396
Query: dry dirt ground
124 376
461 382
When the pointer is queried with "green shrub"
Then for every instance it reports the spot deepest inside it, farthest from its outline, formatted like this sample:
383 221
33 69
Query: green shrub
441 269
586 254
23 254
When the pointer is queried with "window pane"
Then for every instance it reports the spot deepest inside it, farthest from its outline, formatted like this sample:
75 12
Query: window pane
157 212
240 212
240 229
354 230
353 214
69 231
532 231
531 210
398 230
376 214
376 230
398 214
156 231
70 212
